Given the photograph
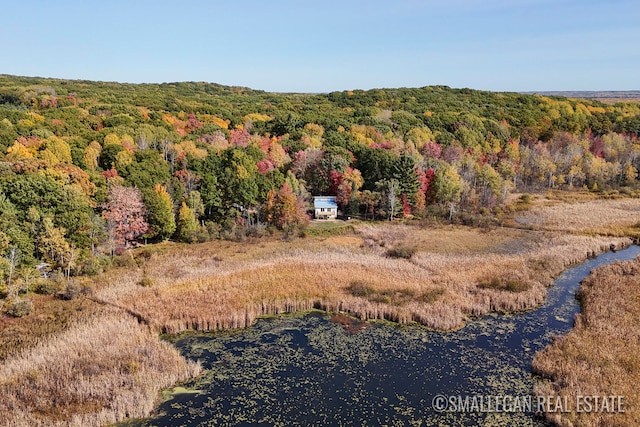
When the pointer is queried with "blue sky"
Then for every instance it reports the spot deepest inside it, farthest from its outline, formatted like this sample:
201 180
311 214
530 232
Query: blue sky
326 45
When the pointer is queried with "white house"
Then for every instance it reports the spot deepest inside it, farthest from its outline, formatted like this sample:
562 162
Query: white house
325 207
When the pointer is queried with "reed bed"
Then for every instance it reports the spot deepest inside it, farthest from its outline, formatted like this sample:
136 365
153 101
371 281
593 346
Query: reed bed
104 370
50 315
601 355
608 217
197 291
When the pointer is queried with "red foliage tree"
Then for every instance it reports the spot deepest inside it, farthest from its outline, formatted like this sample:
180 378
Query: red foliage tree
125 215
597 147
193 123
335 179
109 173
432 150
406 209
239 137
265 166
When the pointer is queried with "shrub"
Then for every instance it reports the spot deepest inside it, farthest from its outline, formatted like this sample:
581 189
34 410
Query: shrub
431 295
202 235
393 296
146 281
71 291
404 251
125 260
516 286
96 264
359 288
501 284
48 285
18 307
526 198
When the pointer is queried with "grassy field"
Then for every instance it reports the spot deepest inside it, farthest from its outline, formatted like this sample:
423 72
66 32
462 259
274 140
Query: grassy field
440 276
601 355
472 272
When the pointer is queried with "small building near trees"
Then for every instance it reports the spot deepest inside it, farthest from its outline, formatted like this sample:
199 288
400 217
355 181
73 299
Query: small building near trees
325 207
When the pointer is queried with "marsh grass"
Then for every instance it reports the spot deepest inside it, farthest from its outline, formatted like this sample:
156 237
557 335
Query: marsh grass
101 371
222 285
329 228
601 355
49 315
614 217
504 284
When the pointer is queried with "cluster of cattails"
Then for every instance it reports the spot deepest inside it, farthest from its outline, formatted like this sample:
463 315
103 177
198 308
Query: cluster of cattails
602 216
599 356
230 293
97 372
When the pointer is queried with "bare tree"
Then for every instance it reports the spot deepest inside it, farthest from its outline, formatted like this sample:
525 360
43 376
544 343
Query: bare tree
14 259
389 190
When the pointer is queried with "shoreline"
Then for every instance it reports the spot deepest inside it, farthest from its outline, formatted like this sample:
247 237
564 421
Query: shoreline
221 284
598 356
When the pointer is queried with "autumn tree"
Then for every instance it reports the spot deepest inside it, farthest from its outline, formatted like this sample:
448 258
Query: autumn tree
284 210
448 188
370 200
125 214
53 247
187 226
160 215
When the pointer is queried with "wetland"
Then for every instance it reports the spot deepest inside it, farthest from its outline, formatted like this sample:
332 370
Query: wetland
305 369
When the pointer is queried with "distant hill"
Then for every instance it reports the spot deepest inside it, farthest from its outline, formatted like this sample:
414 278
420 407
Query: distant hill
606 96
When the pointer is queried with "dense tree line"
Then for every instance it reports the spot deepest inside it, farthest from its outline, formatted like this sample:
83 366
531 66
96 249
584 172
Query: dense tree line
90 167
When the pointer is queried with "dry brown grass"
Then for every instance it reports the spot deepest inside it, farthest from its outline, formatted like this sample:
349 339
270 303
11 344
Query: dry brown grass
104 370
49 315
195 289
618 217
601 355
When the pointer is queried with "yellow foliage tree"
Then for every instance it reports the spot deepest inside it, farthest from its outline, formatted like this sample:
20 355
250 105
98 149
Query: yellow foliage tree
313 129
58 148
420 136
256 117
189 147
91 155
35 117
276 153
18 152
111 139
123 158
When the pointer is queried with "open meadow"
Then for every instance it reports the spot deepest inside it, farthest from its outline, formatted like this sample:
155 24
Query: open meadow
107 349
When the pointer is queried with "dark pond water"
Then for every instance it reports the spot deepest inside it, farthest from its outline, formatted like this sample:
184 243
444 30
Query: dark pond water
306 370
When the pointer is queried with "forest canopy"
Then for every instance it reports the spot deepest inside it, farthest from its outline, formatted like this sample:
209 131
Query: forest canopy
90 167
